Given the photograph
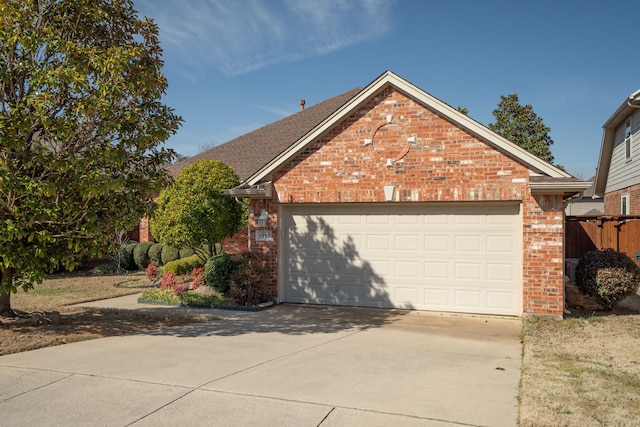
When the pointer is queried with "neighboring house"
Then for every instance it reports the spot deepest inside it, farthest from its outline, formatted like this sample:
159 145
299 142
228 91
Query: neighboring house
618 174
388 197
586 204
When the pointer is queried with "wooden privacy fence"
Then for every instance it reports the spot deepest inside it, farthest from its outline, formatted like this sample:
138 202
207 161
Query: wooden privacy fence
587 233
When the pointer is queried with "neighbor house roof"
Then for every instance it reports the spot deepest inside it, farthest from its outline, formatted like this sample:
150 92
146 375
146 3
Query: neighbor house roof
246 154
630 104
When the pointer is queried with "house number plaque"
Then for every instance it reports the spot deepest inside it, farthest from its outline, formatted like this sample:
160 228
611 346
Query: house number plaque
263 235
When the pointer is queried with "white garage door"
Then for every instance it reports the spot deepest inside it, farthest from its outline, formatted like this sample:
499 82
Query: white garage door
445 257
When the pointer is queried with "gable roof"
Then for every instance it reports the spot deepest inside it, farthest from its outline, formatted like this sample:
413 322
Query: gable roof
558 181
247 153
631 104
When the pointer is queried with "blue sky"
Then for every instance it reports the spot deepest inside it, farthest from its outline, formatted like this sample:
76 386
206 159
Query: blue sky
236 65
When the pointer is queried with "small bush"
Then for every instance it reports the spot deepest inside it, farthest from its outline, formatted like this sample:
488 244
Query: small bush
125 254
141 255
169 253
106 269
197 277
218 270
608 276
153 272
186 252
249 279
155 254
183 265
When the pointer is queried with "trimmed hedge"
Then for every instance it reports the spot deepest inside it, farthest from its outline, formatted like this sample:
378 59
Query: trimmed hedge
125 252
186 252
155 254
183 265
217 272
608 276
141 255
169 253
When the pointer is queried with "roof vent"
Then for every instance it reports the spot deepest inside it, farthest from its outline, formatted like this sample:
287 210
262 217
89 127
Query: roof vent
302 102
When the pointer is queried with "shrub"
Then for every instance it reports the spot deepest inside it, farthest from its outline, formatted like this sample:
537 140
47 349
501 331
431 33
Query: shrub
183 265
169 253
608 276
186 252
141 255
106 269
153 272
125 255
218 270
249 279
197 277
155 254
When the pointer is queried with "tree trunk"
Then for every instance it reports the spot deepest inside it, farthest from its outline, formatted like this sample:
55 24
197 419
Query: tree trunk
5 294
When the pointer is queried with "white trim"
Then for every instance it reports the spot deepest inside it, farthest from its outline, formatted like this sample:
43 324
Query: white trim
558 187
625 199
389 78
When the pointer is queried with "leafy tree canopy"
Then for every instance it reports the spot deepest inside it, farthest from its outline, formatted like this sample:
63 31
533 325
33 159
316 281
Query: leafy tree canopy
194 212
81 123
520 125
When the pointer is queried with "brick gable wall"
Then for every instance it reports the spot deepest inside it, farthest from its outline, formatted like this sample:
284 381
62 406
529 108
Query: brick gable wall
443 163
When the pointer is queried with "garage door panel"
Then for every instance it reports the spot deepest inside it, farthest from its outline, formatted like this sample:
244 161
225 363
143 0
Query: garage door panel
468 243
404 242
437 242
500 244
497 272
379 242
468 299
424 256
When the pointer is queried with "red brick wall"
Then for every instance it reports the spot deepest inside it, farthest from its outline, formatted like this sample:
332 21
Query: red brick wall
612 201
237 243
542 262
444 163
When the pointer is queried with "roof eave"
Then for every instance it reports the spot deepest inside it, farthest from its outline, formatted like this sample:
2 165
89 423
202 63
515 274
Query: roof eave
565 188
262 191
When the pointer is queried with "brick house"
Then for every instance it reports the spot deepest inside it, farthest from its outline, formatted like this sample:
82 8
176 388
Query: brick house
388 197
618 174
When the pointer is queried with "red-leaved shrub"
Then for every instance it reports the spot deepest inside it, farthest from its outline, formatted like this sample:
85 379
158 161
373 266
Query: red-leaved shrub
197 277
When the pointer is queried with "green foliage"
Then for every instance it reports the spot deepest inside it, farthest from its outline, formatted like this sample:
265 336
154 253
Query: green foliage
106 269
183 265
218 270
186 252
168 254
155 254
141 255
125 254
520 125
608 276
194 212
188 299
249 279
81 127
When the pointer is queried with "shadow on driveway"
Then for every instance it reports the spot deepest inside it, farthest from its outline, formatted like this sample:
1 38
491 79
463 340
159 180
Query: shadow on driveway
291 319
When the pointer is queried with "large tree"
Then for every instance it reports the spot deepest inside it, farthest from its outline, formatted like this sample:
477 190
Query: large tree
81 127
521 125
194 212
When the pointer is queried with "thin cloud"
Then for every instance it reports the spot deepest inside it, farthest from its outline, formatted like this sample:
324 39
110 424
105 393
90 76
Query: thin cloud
238 37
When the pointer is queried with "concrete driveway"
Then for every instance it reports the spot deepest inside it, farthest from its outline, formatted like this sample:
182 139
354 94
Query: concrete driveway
286 366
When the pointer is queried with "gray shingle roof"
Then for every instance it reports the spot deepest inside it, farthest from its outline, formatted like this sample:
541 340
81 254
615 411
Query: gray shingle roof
249 152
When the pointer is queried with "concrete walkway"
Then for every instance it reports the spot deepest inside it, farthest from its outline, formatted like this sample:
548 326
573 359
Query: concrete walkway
286 366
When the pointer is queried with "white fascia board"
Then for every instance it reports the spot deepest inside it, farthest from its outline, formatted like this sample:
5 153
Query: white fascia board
558 187
389 77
